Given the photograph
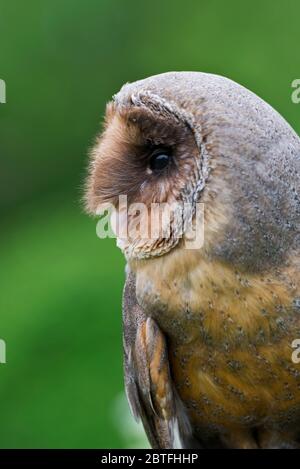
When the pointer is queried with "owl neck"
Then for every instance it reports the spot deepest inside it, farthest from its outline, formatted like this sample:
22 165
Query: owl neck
193 297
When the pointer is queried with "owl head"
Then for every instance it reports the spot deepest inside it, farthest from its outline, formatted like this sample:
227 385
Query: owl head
180 139
149 152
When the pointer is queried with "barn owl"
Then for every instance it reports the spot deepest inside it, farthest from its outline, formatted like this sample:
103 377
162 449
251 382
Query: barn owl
208 331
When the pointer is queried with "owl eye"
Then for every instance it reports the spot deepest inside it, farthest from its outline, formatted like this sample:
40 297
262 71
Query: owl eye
159 160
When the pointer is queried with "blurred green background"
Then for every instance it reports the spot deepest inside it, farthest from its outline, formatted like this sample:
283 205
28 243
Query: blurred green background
60 285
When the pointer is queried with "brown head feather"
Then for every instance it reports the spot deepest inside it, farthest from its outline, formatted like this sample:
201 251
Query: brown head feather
120 159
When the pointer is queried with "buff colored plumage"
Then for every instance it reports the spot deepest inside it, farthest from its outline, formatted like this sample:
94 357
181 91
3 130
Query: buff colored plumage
208 331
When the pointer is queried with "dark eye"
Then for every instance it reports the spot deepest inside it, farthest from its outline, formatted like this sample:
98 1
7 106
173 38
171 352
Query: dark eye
160 159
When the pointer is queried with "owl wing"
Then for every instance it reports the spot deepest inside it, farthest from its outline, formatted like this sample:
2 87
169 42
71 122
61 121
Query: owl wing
149 388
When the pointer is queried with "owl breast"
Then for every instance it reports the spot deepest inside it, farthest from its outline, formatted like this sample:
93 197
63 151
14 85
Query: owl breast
229 336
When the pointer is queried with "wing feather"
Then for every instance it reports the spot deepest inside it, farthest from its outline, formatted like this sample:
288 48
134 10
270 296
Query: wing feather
149 387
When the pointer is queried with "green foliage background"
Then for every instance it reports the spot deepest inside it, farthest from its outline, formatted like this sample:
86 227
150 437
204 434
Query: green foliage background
60 286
